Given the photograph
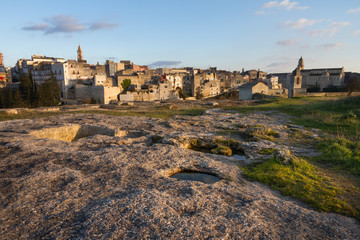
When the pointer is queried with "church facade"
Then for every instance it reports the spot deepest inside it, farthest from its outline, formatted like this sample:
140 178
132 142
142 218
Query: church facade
317 79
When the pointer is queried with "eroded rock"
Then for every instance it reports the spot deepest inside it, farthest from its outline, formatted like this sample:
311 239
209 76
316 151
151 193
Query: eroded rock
118 186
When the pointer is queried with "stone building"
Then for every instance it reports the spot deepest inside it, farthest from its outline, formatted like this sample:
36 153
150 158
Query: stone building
26 66
5 74
247 90
199 81
150 92
1 60
302 79
254 75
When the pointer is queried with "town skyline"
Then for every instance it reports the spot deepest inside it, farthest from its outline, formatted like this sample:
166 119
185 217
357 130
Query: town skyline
266 35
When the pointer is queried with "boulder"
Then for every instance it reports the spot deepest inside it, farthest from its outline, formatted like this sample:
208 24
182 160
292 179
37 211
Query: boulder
284 156
223 150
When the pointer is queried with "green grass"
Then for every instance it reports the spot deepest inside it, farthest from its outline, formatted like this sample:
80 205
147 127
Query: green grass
333 185
341 153
327 114
303 181
266 151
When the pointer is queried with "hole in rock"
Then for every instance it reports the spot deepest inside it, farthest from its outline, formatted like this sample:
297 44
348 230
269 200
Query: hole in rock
196 176
73 132
239 157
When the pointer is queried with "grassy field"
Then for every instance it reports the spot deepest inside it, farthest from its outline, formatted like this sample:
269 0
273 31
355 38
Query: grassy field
331 181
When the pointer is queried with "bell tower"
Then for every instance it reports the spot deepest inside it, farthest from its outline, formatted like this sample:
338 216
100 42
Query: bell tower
301 63
80 57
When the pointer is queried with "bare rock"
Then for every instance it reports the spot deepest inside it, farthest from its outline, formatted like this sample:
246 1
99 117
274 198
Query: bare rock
115 185
284 156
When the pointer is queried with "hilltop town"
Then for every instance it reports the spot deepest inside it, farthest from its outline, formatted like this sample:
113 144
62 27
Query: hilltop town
124 81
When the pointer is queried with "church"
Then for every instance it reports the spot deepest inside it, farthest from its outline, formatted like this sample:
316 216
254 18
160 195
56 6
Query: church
320 78
302 79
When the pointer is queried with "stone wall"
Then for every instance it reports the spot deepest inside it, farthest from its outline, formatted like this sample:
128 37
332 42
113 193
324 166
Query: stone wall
99 93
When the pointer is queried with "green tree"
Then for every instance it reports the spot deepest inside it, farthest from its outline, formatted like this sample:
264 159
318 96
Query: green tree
182 94
26 89
18 102
126 84
198 94
2 101
92 100
49 92
9 98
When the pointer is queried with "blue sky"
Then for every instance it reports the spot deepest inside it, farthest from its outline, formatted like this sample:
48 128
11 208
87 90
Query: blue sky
228 34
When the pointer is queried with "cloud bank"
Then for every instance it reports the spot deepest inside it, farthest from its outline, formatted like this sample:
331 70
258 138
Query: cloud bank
286 43
164 64
286 4
67 24
354 10
330 46
301 23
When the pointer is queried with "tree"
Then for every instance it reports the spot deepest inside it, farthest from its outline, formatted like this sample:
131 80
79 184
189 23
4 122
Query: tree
353 83
18 102
198 94
9 100
26 88
126 84
2 101
182 94
92 100
49 92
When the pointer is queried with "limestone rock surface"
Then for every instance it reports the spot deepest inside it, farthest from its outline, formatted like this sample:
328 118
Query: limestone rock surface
115 183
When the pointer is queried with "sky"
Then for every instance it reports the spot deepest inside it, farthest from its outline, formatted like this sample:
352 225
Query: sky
227 34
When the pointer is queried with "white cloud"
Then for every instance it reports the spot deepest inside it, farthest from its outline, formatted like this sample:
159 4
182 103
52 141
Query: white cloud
330 46
322 32
67 24
64 24
340 24
354 10
260 13
357 32
37 27
164 64
102 25
304 25
287 43
285 4
301 23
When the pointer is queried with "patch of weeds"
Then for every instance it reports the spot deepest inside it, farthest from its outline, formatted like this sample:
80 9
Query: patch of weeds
222 150
156 139
225 142
240 125
256 126
273 133
349 115
263 132
303 181
342 153
266 151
